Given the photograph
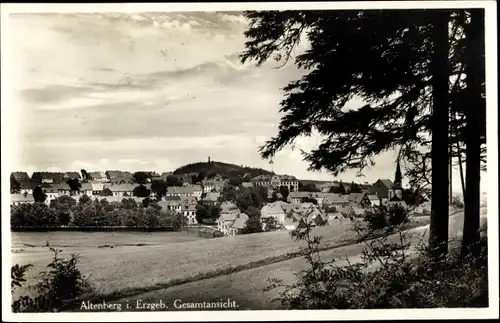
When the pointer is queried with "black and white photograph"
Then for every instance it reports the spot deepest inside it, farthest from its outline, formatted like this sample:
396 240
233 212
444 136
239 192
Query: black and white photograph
234 159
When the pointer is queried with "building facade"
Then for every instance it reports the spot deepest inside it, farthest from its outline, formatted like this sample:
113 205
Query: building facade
276 181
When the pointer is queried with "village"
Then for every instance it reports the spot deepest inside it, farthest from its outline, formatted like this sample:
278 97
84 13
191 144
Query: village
288 205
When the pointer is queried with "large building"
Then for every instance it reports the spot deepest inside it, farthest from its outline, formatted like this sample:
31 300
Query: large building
276 181
386 190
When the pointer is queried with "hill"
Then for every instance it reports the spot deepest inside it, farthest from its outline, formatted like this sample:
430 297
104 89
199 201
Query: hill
223 169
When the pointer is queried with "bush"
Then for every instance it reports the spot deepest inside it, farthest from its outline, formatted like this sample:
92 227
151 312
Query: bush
388 276
60 286
381 217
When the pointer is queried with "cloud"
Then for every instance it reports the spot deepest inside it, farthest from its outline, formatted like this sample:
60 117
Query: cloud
149 90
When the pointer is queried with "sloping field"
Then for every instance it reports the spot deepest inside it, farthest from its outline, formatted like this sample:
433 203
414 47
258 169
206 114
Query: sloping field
125 269
246 287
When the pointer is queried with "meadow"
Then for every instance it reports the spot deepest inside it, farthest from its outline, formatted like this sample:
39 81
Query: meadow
246 287
122 264
126 263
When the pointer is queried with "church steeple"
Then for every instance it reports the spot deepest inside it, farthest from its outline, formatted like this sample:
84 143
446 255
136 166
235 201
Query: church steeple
396 194
398 176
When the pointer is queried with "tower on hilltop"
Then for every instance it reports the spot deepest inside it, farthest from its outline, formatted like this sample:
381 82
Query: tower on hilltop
209 159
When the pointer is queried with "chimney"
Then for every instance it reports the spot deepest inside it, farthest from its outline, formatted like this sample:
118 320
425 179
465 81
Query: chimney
209 159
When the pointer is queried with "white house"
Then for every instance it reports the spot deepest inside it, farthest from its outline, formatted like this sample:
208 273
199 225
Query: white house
51 193
98 177
273 210
297 197
374 200
97 188
238 224
26 186
188 190
121 189
210 185
171 203
87 189
18 199
226 220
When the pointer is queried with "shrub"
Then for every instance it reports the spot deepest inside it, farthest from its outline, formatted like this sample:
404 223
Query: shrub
61 284
388 276
381 217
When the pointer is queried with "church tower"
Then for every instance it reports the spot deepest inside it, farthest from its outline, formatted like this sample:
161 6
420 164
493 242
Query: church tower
398 185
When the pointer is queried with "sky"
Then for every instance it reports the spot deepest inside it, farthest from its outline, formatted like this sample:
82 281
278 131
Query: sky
150 91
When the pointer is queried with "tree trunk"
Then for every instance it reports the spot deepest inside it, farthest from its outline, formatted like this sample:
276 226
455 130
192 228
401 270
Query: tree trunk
438 236
475 77
460 166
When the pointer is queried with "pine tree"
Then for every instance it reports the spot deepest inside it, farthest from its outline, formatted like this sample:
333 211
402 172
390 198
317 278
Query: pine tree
399 62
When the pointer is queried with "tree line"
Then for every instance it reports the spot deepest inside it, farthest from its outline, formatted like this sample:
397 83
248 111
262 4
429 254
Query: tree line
66 211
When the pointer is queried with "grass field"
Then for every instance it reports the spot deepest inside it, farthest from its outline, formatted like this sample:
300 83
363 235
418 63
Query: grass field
162 259
128 269
246 287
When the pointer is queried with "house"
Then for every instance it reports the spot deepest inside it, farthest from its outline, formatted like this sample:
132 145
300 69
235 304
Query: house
154 176
197 190
20 176
97 188
383 189
335 199
211 198
359 199
190 190
334 216
51 194
337 219
189 211
238 224
18 199
171 203
387 190
26 186
226 220
273 210
62 188
98 177
301 224
48 177
87 189
346 210
72 175
357 212
275 181
297 197
228 207
213 185
119 177
121 189
316 219
374 200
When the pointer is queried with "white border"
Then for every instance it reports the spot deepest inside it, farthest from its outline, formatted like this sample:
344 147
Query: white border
491 178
